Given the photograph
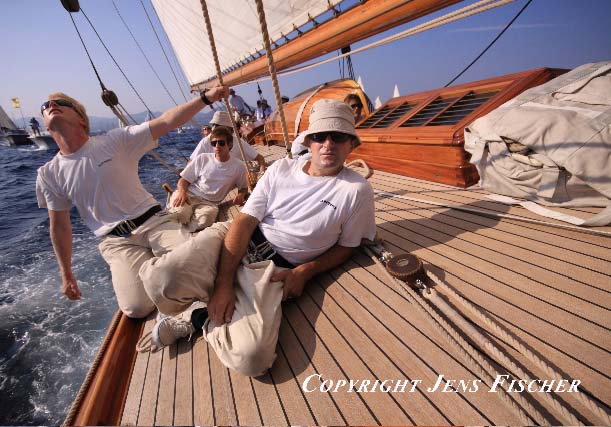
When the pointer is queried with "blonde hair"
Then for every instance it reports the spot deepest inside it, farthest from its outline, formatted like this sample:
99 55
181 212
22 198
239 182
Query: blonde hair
80 109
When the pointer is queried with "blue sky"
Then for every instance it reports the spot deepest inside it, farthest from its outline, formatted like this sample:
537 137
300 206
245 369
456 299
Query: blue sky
42 53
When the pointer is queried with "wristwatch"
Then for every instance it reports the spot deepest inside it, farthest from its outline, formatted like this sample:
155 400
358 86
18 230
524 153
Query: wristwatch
204 98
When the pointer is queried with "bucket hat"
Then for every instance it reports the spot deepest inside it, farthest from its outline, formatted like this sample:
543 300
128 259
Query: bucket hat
331 115
221 118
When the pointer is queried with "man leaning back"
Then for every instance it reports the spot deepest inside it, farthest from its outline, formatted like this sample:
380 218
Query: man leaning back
304 217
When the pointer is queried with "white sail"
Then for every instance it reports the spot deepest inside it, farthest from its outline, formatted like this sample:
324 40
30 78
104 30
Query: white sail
396 92
235 26
377 104
5 120
360 82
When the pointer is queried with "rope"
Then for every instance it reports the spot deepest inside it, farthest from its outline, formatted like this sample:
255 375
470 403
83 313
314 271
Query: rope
144 54
469 353
116 63
496 214
251 178
272 71
95 70
465 12
511 339
490 45
78 400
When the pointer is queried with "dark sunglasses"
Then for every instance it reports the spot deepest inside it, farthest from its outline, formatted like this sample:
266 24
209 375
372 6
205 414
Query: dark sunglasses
218 142
206 128
355 106
61 103
337 137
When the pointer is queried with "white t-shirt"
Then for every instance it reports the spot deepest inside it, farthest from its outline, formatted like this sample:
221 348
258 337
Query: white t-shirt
100 179
237 103
303 216
204 146
212 179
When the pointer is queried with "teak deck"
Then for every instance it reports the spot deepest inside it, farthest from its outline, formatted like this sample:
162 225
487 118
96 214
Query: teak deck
549 286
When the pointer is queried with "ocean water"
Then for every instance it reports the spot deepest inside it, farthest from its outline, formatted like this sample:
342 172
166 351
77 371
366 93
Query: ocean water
47 342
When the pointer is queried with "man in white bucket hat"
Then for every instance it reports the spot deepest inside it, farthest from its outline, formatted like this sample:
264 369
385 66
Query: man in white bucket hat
221 118
304 217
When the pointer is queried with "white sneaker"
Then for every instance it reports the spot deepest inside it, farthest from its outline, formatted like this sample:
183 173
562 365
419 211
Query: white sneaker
168 330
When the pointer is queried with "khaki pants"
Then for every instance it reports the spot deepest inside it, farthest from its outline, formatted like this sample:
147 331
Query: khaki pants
198 215
125 256
175 280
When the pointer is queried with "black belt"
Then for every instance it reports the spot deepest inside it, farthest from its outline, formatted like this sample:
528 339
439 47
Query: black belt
125 228
261 249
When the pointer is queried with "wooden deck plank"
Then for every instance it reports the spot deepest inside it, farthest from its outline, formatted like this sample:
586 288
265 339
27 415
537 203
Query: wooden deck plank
382 405
351 406
507 257
272 410
515 285
183 402
222 393
416 348
323 408
148 407
167 386
574 261
134 394
246 403
293 400
460 197
203 411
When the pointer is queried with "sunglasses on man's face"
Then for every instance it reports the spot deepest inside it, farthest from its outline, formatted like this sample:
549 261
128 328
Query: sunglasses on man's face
218 142
337 137
61 103
356 106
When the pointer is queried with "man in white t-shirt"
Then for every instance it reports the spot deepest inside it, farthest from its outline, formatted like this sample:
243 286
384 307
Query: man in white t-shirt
304 217
99 175
221 118
238 105
208 178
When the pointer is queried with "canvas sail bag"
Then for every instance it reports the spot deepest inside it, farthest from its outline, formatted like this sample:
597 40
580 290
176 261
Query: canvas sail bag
564 128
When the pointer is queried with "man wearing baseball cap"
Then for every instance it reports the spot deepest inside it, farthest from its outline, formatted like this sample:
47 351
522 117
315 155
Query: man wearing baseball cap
221 118
304 217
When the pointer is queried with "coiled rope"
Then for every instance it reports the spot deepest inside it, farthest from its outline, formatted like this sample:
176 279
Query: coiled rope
251 181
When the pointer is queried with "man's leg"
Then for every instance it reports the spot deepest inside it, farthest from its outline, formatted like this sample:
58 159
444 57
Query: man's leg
187 273
248 343
125 259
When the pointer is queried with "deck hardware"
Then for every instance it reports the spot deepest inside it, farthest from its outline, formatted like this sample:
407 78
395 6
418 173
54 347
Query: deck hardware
408 268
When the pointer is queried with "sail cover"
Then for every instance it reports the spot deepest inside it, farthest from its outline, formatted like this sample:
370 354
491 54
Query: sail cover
236 29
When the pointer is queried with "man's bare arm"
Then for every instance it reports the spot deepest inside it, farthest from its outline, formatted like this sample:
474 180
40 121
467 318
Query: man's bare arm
181 114
222 302
60 230
181 193
296 278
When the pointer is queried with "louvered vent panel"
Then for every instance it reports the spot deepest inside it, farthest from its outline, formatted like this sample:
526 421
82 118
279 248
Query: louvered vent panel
428 112
394 116
375 117
462 108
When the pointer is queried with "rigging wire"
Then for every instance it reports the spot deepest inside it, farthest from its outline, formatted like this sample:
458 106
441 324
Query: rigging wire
143 54
163 50
490 45
475 8
116 63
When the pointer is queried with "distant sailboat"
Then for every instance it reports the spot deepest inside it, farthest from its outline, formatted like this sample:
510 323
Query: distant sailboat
11 133
377 104
396 92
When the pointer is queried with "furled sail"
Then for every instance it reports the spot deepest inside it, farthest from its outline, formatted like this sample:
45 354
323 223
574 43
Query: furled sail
237 34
